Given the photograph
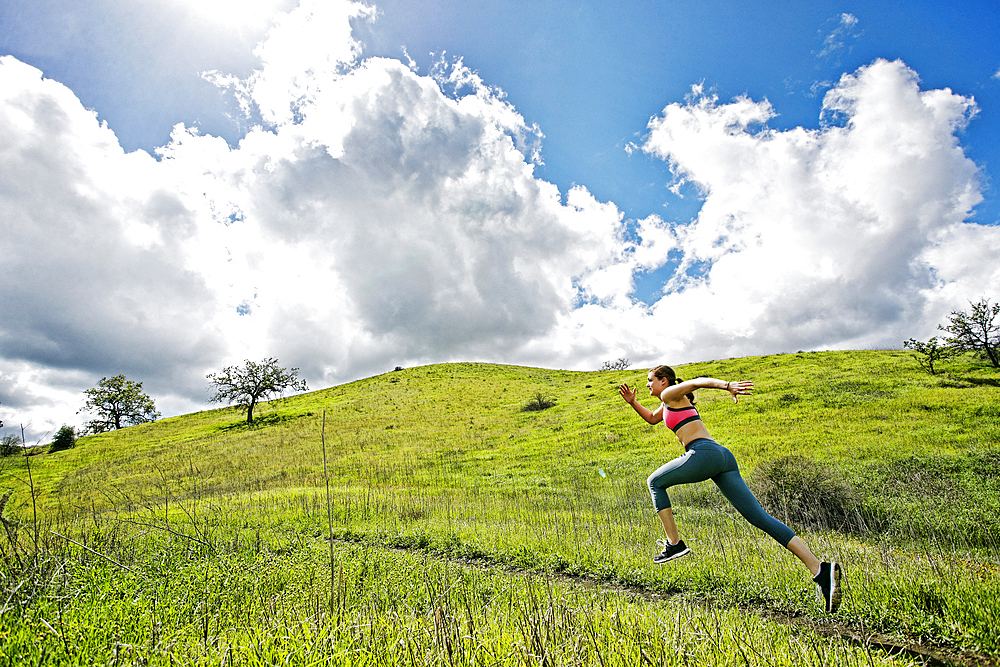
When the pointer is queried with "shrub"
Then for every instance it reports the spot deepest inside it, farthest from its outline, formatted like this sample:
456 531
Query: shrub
538 402
806 494
65 438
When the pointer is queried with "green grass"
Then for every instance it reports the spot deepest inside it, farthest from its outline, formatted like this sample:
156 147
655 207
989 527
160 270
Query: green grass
217 531
387 608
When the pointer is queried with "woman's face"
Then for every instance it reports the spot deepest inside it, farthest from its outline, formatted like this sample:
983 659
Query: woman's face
656 385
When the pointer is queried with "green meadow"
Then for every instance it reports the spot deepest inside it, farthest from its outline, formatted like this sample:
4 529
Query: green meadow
468 531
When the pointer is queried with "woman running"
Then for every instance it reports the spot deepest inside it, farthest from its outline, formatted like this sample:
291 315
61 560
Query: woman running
703 459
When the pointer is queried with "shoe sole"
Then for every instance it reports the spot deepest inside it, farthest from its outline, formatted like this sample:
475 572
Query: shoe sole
674 557
836 572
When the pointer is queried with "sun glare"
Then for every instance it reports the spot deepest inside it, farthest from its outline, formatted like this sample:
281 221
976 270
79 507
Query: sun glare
248 13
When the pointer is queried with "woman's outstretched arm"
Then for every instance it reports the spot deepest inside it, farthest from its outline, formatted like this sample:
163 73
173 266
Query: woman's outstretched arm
651 416
677 392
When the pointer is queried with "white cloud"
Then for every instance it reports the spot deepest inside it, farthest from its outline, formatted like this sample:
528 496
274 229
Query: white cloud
836 40
847 236
94 274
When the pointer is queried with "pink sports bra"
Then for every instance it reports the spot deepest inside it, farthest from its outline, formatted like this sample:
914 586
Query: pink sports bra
674 418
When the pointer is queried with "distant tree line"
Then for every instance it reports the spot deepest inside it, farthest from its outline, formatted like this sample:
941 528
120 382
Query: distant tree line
974 330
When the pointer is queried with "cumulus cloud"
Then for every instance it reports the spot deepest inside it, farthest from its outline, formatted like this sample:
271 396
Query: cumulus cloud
851 235
94 275
376 217
412 217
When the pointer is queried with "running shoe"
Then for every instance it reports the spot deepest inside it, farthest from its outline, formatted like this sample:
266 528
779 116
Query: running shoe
828 581
670 551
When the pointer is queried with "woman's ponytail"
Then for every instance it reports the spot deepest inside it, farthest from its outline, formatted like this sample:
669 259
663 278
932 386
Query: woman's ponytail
690 396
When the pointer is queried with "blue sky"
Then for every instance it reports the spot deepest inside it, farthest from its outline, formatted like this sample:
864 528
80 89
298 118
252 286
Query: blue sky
638 206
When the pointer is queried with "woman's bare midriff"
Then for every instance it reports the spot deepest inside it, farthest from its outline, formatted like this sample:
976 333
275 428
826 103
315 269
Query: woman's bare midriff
690 432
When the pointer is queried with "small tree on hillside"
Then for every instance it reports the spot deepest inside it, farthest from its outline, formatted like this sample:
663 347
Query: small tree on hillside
10 444
254 382
929 353
975 330
118 402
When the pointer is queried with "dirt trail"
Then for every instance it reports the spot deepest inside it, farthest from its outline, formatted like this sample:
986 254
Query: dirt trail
928 654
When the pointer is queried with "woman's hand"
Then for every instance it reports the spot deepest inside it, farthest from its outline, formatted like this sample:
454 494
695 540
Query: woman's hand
738 388
651 416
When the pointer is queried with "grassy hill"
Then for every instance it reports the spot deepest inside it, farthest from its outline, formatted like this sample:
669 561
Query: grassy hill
873 461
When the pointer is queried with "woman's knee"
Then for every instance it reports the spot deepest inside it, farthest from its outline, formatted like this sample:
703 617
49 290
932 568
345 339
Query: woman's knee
658 492
661 500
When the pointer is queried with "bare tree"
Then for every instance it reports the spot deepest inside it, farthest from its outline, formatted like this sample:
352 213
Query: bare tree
975 330
118 402
10 444
254 382
621 364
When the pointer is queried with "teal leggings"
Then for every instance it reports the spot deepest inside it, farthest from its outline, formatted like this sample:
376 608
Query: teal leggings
707 459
